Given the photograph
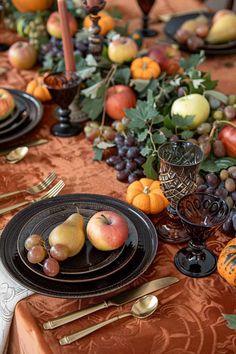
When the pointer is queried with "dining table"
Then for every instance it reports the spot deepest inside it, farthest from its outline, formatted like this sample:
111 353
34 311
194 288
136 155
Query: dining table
190 316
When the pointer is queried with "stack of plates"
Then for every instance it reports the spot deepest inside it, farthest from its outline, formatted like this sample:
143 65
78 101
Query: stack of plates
91 272
27 114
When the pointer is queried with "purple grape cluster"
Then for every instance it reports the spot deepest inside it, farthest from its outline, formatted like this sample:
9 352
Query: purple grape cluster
128 161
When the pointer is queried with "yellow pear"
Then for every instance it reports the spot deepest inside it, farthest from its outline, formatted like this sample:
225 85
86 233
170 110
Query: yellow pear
224 30
70 233
192 25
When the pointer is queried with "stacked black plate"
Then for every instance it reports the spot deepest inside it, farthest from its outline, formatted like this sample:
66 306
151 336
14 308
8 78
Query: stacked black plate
91 272
27 114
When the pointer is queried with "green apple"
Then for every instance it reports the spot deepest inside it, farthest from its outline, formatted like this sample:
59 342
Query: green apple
192 105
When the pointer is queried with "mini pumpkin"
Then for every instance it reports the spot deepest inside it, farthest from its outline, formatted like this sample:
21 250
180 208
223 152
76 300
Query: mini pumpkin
106 22
147 196
145 68
226 264
32 6
37 88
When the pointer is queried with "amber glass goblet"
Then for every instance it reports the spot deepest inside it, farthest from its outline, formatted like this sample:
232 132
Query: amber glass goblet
201 214
179 162
145 6
63 87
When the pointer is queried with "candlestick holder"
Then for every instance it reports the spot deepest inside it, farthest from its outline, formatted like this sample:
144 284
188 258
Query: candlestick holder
95 40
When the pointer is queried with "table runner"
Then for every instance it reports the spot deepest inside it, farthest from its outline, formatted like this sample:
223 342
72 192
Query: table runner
200 327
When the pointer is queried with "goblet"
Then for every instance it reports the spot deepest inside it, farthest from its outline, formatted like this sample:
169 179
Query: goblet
201 215
179 162
63 87
145 6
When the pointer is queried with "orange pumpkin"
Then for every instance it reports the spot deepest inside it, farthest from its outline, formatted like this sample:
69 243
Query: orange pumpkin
145 69
38 89
147 196
226 264
32 5
106 22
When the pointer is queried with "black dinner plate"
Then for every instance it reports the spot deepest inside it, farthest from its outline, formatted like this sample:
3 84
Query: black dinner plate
137 265
175 23
34 109
90 264
8 121
21 121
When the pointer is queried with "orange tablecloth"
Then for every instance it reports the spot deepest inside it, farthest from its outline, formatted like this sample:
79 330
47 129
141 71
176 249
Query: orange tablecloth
189 319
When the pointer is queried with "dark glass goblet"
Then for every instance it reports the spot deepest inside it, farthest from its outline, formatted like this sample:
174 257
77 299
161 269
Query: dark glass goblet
201 214
179 162
145 6
63 88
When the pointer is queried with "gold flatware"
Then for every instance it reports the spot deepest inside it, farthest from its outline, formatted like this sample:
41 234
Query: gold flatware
28 144
17 154
41 186
117 300
51 193
142 308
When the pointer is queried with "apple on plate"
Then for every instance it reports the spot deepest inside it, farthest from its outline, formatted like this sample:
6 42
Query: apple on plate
122 49
107 230
22 55
7 103
194 105
167 56
119 97
218 14
54 25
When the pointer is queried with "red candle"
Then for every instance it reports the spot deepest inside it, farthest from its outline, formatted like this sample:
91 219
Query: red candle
93 3
66 36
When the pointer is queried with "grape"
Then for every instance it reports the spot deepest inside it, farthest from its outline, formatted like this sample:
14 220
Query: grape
229 112
140 160
120 166
119 139
229 202
122 151
233 196
130 141
132 152
194 43
205 147
203 138
221 192
234 220
33 240
139 173
219 148
230 185
174 138
113 160
118 126
125 121
193 141
200 180
36 254
210 190
182 91
59 252
212 180
231 100
201 188
132 177
202 30
131 165
182 36
233 174
214 103
204 128
224 174
108 133
218 115
122 176
231 170
228 227
51 267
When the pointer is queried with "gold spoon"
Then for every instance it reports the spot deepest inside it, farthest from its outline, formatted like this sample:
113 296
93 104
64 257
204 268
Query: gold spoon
17 154
142 308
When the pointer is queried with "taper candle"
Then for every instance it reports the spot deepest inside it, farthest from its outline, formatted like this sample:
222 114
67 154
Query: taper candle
66 36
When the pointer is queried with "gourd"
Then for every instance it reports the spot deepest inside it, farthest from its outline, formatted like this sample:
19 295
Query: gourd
106 22
145 68
32 5
37 88
147 196
226 264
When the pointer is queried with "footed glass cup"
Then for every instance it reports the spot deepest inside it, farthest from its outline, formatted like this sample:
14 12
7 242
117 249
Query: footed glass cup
201 214
146 6
179 162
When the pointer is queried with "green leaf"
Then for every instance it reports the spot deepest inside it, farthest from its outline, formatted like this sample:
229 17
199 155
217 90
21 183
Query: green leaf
97 153
139 85
158 119
92 90
218 95
182 122
186 134
93 107
231 321
168 123
143 135
145 151
148 167
90 60
158 138
209 84
167 132
208 166
122 76
104 145
193 61
225 162
140 115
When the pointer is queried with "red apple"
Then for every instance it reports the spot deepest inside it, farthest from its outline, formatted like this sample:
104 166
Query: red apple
122 49
7 104
167 57
119 97
107 230
54 26
22 55
220 13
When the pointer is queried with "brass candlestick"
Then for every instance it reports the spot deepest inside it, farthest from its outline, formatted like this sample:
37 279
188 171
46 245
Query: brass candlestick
95 40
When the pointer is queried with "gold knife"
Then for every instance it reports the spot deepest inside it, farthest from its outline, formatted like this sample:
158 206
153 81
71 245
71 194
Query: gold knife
116 300
30 143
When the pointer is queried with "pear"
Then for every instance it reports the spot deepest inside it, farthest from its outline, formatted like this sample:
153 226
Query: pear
192 25
70 233
224 30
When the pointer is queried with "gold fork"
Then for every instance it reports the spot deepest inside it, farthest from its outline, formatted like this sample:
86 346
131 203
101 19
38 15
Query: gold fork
41 186
51 193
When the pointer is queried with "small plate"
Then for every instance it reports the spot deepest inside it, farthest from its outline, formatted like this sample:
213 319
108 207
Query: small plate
176 22
18 123
18 110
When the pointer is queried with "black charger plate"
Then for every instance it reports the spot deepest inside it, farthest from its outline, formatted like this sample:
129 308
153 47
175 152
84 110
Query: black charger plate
175 23
8 121
137 265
